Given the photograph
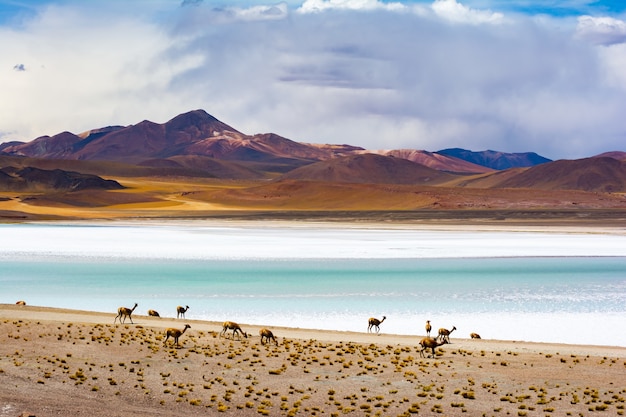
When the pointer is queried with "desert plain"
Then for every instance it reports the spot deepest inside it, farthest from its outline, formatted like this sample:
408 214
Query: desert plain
177 198
68 362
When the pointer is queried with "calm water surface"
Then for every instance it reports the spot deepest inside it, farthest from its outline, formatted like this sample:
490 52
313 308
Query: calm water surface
555 299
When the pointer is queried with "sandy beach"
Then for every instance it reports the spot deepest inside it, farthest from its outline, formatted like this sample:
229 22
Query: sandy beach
68 362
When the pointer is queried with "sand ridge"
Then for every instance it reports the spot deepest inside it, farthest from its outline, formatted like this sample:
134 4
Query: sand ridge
62 362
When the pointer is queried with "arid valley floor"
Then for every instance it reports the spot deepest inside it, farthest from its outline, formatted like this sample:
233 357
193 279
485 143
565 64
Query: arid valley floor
66 362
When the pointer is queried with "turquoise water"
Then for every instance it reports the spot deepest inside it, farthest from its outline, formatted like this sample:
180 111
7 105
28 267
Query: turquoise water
522 298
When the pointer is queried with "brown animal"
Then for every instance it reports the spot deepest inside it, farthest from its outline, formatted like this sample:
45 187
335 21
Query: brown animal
428 328
430 343
229 325
21 303
374 323
175 333
474 335
267 335
444 334
180 311
153 313
124 312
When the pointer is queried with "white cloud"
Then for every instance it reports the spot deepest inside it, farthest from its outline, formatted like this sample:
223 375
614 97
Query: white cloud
278 11
458 13
83 68
253 13
601 30
312 6
613 60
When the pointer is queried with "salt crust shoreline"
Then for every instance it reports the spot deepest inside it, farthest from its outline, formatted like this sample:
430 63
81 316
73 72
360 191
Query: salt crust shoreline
448 226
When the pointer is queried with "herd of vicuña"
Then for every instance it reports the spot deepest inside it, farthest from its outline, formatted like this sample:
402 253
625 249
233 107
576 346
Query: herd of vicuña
373 325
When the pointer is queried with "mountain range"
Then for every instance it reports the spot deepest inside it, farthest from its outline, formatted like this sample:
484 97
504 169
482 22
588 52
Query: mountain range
197 145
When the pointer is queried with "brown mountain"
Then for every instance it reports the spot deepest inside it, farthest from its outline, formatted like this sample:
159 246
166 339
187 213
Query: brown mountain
267 147
598 174
193 133
146 140
60 146
35 179
369 168
204 166
619 155
437 161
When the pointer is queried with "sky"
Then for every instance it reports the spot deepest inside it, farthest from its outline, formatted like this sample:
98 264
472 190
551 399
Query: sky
545 76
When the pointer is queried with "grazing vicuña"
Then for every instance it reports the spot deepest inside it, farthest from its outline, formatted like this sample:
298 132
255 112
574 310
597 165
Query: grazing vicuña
230 325
374 323
175 333
124 312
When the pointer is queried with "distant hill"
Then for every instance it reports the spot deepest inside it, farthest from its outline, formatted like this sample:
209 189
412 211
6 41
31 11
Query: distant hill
598 174
34 179
620 156
590 174
437 161
369 168
496 160
204 166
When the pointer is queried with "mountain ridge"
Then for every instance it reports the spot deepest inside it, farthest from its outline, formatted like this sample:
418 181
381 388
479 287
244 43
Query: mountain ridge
198 133
197 144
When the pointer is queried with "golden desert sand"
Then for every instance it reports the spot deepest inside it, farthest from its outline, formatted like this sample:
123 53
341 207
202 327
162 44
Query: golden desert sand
157 198
68 362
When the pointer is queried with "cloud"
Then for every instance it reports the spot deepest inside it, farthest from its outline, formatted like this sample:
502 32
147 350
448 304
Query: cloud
278 11
601 30
19 67
253 13
76 57
367 73
313 6
456 12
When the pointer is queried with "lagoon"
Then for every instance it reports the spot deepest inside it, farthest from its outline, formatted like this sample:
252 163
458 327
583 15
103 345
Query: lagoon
533 286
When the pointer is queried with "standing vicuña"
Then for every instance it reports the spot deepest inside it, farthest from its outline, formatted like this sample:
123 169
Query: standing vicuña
180 311
428 328
266 334
444 334
230 325
124 312
430 343
374 322
175 333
